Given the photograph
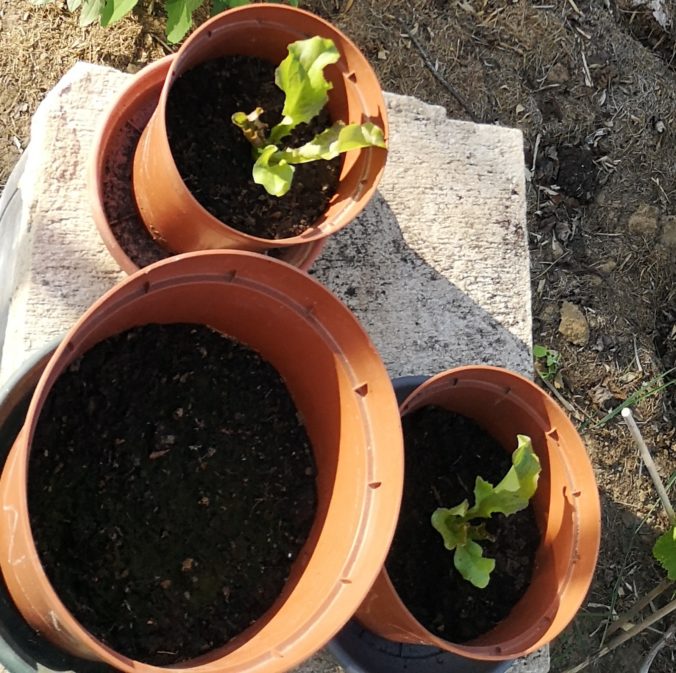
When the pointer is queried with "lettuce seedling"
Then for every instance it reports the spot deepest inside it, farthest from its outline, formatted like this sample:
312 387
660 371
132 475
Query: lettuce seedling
459 528
301 77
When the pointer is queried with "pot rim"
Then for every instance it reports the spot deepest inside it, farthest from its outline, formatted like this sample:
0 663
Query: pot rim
581 561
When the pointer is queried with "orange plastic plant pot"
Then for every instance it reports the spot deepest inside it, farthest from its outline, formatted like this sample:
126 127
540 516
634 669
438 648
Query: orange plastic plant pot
169 210
111 198
566 506
341 390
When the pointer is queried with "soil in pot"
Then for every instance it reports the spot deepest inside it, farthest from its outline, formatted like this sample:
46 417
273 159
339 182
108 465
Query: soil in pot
444 454
214 158
171 487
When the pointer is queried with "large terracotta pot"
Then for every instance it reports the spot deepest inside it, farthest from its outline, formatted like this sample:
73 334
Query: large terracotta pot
342 392
264 30
566 506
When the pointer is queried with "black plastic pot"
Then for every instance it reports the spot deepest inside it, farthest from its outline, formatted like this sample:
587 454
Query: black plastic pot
360 651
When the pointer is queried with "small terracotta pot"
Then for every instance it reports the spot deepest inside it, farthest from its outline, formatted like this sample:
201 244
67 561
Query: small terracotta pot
566 506
111 196
342 392
173 215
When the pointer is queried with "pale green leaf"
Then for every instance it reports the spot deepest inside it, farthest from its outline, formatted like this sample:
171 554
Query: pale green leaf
72 4
271 172
516 488
470 563
42 3
523 477
218 6
91 11
335 140
451 525
665 552
301 77
179 18
114 10
540 351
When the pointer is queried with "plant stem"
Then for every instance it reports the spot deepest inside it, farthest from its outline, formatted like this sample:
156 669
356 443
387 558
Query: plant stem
623 637
649 463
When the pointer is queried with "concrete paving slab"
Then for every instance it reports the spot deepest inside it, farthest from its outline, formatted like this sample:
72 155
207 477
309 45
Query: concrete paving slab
436 268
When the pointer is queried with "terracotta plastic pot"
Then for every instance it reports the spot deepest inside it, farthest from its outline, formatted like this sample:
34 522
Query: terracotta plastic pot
341 390
110 183
566 506
169 210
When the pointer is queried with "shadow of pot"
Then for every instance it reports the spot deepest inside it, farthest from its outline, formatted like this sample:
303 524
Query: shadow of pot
566 506
341 390
170 211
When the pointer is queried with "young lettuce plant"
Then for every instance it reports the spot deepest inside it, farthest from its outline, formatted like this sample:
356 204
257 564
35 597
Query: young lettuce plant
459 528
301 77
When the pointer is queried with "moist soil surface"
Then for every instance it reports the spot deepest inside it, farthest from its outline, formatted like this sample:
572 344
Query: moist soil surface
171 488
445 452
199 110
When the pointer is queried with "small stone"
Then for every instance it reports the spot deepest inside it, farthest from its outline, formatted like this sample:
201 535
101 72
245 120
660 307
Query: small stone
558 74
644 220
607 267
668 238
573 325
549 313
557 249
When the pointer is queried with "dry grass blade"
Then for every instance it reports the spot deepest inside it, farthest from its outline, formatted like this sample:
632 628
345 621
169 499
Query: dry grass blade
624 637
628 616
437 75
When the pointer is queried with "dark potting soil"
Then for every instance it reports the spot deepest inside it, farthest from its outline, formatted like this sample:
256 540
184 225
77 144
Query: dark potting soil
444 454
214 158
171 487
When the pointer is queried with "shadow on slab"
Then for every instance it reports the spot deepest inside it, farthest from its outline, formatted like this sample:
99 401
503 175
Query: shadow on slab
419 320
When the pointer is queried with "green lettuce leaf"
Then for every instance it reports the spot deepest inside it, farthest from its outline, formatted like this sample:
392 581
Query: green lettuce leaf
218 6
516 488
114 10
91 11
451 524
470 563
458 526
273 173
301 77
179 18
335 140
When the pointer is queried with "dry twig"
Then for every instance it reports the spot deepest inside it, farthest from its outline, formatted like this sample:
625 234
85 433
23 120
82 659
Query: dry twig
437 75
626 618
624 637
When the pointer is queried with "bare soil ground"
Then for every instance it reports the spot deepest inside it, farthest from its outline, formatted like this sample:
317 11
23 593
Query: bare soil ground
592 85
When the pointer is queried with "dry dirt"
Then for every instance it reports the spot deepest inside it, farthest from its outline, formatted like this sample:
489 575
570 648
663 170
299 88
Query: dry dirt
592 85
